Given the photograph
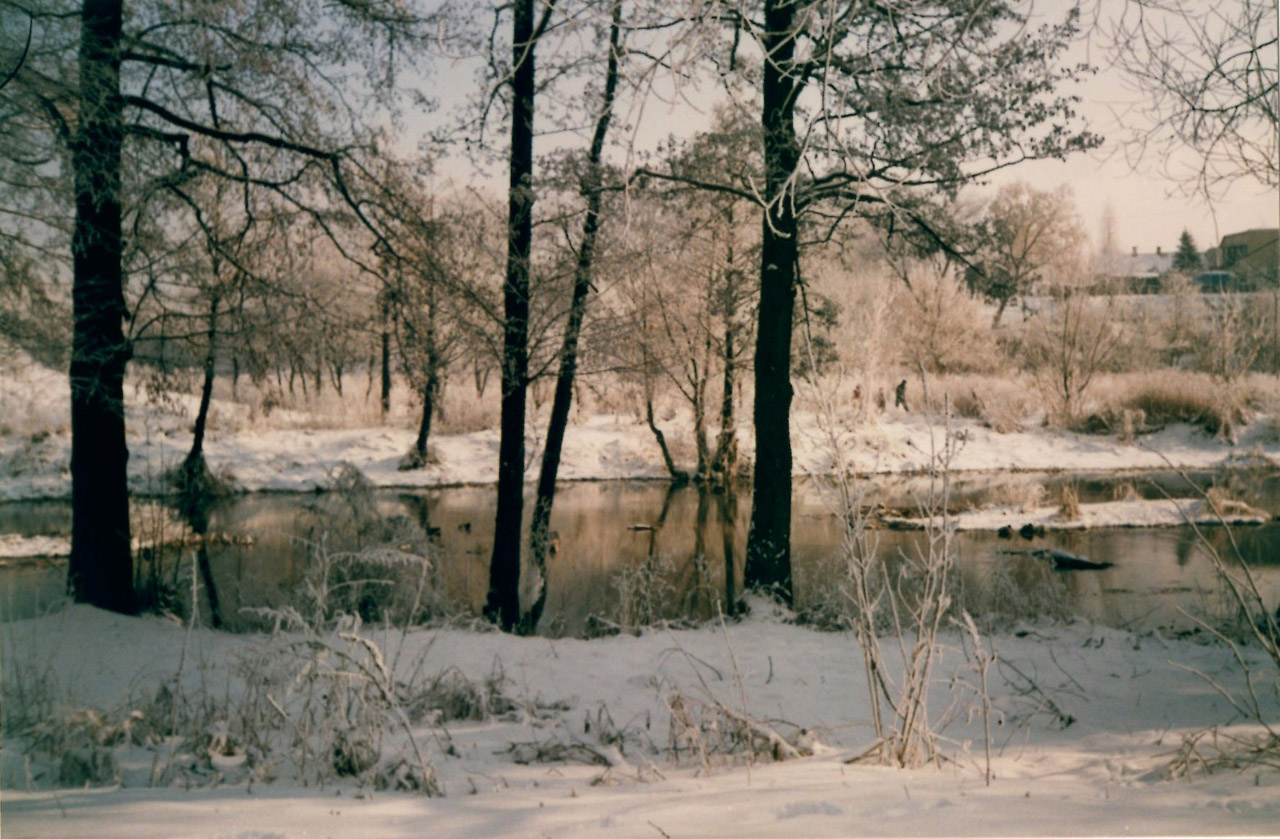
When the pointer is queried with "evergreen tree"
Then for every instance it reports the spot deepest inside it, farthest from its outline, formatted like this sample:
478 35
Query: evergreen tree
1187 258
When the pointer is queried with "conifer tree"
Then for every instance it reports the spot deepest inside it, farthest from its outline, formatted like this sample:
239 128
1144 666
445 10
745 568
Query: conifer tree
1187 258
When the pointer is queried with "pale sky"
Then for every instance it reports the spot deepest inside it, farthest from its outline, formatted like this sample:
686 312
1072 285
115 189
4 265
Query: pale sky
1150 210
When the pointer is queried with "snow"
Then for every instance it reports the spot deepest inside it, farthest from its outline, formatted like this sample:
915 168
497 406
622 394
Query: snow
290 454
1157 512
13 546
1133 699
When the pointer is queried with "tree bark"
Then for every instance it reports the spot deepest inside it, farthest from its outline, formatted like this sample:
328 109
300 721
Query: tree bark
206 390
101 565
428 408
677 475
768 563
725 461
729 532
540 526
995 321
503 601
385 402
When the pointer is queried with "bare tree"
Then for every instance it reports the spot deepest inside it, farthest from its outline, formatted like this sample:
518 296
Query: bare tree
1067 348
914 100
1027 235
136 105
528 26
591 189
1207 75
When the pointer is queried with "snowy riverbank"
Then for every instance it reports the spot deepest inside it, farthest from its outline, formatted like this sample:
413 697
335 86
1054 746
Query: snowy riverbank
1132 700
293 453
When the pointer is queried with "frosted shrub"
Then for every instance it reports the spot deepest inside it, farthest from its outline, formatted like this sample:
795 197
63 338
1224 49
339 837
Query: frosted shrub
328 704
1068 350
949 330
645 591
1017 589
1238 328
896 610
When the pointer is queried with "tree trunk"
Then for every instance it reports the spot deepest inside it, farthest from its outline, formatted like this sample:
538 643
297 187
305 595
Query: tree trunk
768 563
701 446
206 390
429 394
503 600
995 321
677 475
335 376
101 565
540 527
725 461
385 402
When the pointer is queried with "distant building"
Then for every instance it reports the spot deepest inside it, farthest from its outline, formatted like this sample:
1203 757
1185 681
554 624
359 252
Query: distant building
1216 282
1252 258
1134 273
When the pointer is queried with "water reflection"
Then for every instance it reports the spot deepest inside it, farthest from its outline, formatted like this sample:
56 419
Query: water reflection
634 552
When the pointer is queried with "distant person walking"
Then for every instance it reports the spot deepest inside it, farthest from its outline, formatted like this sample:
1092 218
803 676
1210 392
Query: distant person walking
900 396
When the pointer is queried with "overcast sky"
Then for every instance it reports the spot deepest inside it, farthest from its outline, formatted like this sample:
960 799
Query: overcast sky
1149 208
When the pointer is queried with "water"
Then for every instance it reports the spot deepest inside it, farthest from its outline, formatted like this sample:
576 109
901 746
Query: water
631 552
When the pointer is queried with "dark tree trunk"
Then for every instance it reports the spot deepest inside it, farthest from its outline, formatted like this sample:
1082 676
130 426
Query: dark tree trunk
698 387
769 541
995 321
101 566
725 461
540 527
677 475
235 377
196 455
385 402
503 600
429 392
729 535
335 376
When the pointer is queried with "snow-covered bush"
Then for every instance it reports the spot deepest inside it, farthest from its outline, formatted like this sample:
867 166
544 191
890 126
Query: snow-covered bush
1069 349
949 330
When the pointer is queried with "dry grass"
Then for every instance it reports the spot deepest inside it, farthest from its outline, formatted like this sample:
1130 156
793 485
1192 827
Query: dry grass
1136 402
1003 402
1069 509
943 326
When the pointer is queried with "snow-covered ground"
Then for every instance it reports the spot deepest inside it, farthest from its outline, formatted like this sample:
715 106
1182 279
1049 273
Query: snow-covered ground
108 689
15 546
1132 701
293 454
1152 512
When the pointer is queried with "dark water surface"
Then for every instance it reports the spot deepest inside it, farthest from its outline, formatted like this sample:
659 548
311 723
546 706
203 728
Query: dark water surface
632 552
